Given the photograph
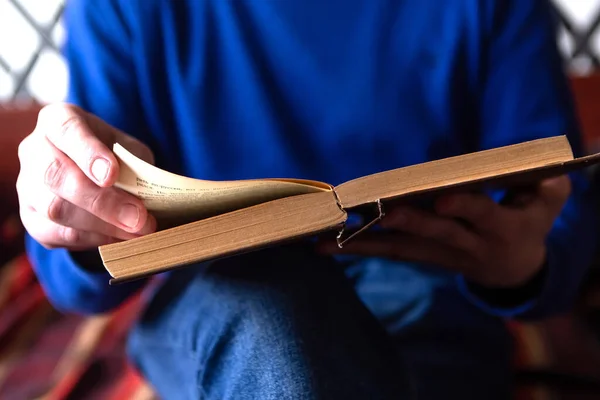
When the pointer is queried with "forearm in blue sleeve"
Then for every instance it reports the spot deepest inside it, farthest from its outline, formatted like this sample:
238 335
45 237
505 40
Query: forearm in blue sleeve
72 287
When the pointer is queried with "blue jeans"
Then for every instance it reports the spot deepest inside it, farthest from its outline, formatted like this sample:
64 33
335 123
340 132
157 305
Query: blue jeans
286 323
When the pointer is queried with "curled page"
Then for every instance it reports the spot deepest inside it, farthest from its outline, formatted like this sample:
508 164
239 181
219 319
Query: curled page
174 199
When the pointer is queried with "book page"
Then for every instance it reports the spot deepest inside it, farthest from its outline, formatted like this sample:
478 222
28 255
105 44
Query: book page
174 199
522 161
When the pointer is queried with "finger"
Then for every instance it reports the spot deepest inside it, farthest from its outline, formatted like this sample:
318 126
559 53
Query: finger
400 247
64 213
553 194
430 226
479 210
52 235
67 128
67 181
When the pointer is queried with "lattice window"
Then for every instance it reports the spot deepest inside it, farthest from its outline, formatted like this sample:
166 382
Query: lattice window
31 66
31 35
579 38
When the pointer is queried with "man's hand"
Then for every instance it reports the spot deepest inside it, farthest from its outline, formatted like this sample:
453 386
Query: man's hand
65 182
491 244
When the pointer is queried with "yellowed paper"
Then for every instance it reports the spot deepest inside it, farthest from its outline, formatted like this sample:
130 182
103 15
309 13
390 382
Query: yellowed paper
175 199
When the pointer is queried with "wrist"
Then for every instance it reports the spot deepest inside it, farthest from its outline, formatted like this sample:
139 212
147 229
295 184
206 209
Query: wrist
514 295
509 274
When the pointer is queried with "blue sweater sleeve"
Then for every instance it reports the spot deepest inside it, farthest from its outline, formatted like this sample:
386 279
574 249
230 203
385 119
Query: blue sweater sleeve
102 81
525 94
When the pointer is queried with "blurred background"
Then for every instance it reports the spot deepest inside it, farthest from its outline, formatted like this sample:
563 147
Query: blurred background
44 354
31 66
31 34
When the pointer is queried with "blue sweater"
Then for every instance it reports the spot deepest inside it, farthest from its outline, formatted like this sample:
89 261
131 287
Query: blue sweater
327 90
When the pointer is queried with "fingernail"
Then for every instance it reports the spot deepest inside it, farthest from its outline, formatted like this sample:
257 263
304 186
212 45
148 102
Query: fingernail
129 215
100 169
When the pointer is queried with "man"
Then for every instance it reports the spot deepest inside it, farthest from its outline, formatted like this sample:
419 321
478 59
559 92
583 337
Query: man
323 90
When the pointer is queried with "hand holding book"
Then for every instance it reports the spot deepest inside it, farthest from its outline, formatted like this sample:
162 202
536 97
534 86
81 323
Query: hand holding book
220 219
491 244
66 183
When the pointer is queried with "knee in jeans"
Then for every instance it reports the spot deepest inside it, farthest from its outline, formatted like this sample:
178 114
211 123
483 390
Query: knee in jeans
257 295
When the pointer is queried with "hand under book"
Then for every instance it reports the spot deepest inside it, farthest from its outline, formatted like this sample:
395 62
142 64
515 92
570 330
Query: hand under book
492 244
501 245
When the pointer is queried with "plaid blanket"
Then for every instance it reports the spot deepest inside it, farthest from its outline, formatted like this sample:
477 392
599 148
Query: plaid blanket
48 355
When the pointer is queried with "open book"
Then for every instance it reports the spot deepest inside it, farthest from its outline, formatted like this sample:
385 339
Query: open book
201 220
